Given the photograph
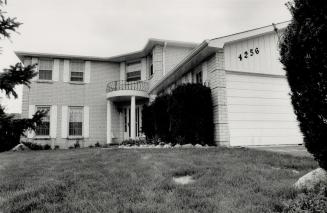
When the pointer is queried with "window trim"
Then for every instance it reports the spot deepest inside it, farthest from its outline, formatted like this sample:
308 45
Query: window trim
70 71
49 114
52 68
134 76
69 136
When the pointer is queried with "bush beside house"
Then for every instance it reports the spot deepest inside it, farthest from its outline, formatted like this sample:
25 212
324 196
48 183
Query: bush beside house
304 56
183 117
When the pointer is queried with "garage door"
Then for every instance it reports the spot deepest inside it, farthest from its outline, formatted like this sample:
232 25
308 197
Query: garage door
260 111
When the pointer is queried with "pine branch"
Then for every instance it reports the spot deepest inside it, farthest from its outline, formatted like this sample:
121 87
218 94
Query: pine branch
8 25
16 75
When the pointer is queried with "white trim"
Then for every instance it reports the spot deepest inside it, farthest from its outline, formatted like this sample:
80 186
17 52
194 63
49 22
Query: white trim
204 72
53 121
126 93
220 42
66 71
164 59
87 71
64 121
143 69
86 122
122 70
35 61
55 71
109 136
133 126
31 112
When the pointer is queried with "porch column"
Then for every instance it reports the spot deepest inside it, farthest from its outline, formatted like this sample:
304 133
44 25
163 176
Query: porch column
108 121
133 117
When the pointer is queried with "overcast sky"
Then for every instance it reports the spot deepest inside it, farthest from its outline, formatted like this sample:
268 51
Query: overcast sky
111 27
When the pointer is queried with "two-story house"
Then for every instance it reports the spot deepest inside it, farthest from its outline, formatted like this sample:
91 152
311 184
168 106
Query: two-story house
94 99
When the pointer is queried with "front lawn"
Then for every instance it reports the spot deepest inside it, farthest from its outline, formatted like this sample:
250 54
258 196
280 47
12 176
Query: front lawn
115 180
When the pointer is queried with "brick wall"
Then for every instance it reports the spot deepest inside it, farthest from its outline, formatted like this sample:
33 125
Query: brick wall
217 82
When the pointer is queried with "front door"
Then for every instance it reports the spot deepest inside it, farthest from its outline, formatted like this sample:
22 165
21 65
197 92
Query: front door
127 122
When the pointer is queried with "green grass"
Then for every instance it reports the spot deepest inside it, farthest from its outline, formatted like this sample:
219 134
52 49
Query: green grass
104 180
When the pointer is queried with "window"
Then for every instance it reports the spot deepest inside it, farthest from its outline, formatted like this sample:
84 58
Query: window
44 128
151 65
133 76
151 69
75 121
77 71
198 78
45 69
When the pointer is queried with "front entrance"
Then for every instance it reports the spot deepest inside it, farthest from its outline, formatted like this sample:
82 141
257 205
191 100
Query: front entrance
127 121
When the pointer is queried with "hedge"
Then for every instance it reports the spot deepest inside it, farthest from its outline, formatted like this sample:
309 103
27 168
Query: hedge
182 117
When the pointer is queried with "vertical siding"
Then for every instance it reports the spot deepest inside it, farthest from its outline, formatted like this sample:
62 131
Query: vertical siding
267 61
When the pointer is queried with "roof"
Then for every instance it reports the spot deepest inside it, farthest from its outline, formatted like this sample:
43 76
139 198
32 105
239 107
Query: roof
21 54
207 48
221 41
119 58
148 48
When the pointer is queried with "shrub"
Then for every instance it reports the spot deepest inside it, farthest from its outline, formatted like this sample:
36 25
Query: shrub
57 147
161 117
312 201
191 115
35 146
185 116
148 126
132 142
97 144
77 145
304 56
46 147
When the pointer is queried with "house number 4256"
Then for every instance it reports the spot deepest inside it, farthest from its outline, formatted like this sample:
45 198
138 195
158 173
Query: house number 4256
248 54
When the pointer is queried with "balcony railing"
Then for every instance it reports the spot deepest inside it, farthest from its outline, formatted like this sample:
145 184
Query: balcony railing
128 85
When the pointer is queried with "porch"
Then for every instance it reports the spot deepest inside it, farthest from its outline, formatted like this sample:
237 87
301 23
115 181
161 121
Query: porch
124 109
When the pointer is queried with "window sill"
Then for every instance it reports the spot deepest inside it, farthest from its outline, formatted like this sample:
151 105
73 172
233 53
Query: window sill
45 81
75 137
40 137
76 82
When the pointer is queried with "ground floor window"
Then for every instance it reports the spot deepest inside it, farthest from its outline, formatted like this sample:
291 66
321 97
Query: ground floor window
75 121
44 128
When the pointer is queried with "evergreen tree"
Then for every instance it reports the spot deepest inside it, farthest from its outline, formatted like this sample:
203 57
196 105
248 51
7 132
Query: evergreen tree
12 129
304 56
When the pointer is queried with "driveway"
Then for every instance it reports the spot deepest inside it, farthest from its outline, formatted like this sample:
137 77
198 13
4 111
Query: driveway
296 150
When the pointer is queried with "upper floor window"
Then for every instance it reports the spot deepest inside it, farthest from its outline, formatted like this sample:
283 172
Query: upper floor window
198 77
133 71
45 69
75 121
44 128
77 69
133 76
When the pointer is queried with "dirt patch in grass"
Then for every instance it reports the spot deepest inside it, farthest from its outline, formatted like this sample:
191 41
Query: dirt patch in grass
183 180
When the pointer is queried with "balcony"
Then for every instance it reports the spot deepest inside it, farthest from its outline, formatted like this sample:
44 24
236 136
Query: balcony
121 90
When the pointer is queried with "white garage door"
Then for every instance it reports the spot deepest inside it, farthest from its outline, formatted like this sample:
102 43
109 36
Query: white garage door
260 111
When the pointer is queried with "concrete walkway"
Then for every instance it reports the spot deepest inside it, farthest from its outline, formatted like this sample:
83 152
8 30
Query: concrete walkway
295 150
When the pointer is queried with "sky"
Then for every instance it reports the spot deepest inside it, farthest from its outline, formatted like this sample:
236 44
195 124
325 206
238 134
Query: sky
111 27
